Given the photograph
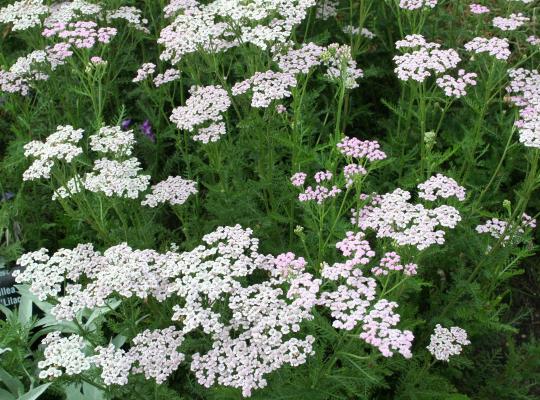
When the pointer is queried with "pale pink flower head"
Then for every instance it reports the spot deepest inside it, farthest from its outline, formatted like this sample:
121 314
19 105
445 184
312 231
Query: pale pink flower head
478 9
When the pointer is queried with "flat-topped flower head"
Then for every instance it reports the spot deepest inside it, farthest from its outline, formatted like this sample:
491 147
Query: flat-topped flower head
496 47
206 104
23 14
266 87
445 343
113 140
174 190
417 4
61 145
513 22
356 148
440 186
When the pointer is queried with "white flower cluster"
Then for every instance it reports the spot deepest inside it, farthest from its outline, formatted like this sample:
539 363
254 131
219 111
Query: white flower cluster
416 4
174 190
392 216
66 11
341 65
525 90
25 70
155 353
513 22
110 177
258 338
61 145
354 30
440 186
206 104
112 139
132 15
327 9
23 14
496 47
63 355
300 60
266 87
498 228
445 343
223 24
425 59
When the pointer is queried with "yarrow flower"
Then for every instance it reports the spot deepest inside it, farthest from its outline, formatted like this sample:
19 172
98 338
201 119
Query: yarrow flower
440 186
205 105
223 24
169 75
353 30
174 190
356 148
425 59
392 262
81 34
478 9
266 87
392 216
327 9
23 14
146 70
259 336
500 229
319 193
513 22
110 177
301 60
113 140
445 342
525 90
341 66
416 4
61 145
456 87
496 47
63 355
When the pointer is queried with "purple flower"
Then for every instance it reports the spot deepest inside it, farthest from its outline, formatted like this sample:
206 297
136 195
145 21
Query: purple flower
126 124
146 129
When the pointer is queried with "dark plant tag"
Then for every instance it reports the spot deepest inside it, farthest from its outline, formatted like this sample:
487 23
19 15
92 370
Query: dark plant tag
9 296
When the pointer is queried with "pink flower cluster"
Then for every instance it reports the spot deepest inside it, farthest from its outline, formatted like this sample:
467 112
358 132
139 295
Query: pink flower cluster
440 186
81 34
392 262
525 90
379 332
356 148
350 301
456 87
478 8
319 193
